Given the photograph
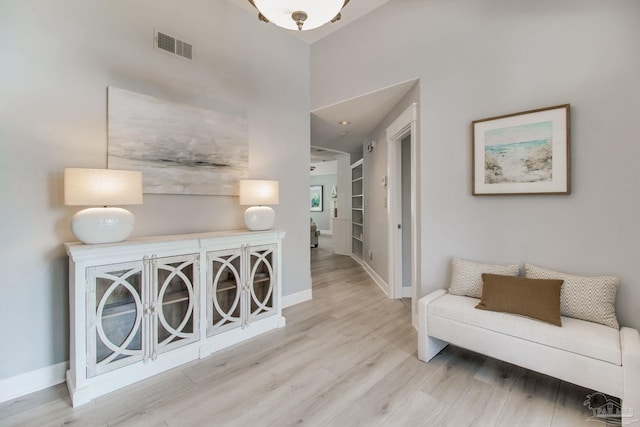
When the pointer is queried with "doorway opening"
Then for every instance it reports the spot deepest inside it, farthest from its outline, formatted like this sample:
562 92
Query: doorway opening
404 268
330 171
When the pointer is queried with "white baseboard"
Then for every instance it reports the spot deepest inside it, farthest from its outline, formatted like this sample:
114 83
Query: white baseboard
407 292
38 379
375 276
297 298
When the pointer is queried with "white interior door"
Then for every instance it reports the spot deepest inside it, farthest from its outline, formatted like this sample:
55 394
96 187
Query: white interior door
403 128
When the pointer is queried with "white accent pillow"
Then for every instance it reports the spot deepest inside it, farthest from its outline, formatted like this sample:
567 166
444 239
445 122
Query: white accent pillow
466 276
585 298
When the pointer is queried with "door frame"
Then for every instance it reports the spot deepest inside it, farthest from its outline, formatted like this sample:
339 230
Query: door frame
403 126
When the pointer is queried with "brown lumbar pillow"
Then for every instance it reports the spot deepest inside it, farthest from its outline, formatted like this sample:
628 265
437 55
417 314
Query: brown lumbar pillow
535 298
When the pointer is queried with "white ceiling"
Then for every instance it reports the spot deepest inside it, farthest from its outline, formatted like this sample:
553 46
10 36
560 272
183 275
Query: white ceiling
364 112
354 10
329 167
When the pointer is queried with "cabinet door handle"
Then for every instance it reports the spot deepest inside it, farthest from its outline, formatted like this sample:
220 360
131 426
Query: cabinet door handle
248 306
243 308
153 332
145 353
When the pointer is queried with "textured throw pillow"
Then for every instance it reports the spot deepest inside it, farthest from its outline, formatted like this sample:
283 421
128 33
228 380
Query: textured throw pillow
585 298
466 276
535 298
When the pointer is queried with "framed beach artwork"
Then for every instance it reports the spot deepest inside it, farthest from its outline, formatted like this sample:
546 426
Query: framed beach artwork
179 148
316 198
522 153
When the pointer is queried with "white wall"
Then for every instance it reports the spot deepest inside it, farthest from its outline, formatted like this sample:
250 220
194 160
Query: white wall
375 194
58 58
482 59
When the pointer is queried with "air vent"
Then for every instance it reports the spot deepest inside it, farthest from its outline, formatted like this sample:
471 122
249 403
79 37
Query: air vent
183 49
170 44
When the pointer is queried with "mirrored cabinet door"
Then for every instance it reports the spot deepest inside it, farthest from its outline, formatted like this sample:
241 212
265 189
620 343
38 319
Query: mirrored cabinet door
174 307
224 290
115 317
261 281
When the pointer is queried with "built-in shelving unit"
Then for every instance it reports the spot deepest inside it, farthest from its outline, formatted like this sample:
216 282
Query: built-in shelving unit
357 208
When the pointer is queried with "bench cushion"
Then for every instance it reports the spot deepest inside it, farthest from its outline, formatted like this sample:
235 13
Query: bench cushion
577 336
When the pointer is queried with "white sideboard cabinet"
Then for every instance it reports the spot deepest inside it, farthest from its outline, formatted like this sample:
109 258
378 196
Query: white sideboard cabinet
138 308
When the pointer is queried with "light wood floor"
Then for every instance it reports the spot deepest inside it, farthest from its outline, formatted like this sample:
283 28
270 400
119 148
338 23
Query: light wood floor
346 358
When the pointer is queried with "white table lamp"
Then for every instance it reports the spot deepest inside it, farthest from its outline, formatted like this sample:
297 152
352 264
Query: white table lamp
259 193
102 187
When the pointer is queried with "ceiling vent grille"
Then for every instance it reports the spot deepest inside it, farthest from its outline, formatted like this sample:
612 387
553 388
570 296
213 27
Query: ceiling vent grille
170 44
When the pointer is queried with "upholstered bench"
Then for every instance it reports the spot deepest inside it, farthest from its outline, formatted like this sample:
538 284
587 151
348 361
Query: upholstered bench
601 357
314 234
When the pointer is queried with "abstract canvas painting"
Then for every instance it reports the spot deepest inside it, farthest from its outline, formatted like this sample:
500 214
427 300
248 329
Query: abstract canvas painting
180 149
522 153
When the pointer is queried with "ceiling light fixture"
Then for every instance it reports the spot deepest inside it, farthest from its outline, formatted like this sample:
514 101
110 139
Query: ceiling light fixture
344 122
299 14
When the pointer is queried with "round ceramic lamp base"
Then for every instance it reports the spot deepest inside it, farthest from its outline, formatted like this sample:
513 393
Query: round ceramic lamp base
102 225
259 218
